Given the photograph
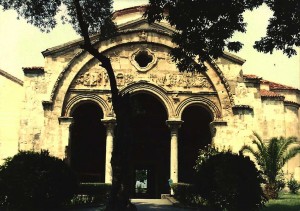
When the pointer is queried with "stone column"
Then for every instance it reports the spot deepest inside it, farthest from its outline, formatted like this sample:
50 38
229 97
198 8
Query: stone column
65 123
110 125
174 125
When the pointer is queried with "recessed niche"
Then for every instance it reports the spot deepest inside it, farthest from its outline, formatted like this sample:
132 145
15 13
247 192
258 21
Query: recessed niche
143 58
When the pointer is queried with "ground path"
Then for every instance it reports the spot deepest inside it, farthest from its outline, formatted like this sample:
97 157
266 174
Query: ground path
155 204
144 205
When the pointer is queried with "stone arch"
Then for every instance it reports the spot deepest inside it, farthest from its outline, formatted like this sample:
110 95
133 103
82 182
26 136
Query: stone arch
201 101
104 47
79 99
65 78
157 92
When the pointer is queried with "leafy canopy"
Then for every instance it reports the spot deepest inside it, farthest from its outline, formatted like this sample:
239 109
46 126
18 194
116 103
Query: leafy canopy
97 14
204 27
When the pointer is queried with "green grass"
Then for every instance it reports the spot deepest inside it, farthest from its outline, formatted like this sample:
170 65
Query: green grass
285 202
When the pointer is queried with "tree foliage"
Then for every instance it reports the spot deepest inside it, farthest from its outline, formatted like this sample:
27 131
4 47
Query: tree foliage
204 28
41 13
229 182
272 155
32 180
283 31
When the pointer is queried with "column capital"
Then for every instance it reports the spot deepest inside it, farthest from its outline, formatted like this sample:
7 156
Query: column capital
174 123
65 120
109 122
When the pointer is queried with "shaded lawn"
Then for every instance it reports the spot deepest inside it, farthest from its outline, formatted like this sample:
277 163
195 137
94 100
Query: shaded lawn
285 202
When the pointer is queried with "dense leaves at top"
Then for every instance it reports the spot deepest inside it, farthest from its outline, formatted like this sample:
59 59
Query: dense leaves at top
203 27
41 13
283 32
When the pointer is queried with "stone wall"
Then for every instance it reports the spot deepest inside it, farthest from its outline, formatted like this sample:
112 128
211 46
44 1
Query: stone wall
11 94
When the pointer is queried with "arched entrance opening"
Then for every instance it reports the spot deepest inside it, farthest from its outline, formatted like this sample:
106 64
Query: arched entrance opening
194 134
151 147
88 143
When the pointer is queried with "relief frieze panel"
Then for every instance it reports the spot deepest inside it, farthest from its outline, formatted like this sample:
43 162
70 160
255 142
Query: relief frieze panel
181 81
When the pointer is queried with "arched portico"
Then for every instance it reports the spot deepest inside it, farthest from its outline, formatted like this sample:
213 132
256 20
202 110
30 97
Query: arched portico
194 135
87 145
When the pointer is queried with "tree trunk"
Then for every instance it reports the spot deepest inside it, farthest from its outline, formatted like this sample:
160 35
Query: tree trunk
119 196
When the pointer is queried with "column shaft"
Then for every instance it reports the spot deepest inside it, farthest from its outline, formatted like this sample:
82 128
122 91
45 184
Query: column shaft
110 125
174 125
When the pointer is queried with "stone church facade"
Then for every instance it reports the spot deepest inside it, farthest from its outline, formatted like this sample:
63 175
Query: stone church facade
66 106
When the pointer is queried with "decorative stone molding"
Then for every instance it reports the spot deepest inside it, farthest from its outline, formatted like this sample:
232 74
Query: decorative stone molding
202 101
85 98
174 125
33 70
160 93
242 107
143 59
63 73
223 79
47 105
65 120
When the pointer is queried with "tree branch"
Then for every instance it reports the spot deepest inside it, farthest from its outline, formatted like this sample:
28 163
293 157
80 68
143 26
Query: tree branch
105 61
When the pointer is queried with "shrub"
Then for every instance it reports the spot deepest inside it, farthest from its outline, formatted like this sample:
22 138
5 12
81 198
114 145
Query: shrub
293 185
92 193
32 180
186 194
230 181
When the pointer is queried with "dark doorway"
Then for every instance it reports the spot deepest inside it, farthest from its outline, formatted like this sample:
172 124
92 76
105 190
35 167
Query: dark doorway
88 143
151 148
194 134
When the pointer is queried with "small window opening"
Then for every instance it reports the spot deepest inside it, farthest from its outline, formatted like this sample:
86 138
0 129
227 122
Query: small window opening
143 58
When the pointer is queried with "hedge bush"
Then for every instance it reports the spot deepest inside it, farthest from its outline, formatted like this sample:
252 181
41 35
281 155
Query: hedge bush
293 185
230 182
91 193
186 194
35 181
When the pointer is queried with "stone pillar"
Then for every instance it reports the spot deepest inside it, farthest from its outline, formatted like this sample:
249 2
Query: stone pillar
174 125
65 123
110 126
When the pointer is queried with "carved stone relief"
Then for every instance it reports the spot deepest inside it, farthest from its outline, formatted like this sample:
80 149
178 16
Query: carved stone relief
185 80
180 80
100 79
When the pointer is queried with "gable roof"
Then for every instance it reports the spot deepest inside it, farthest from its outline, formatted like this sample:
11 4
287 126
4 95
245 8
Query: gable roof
11 77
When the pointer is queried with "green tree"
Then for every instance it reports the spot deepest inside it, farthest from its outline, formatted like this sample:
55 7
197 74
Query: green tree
203 29
36 181
271 156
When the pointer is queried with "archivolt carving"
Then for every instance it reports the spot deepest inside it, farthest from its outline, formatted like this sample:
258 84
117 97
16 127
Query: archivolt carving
62 74
216 113
224 80
87 97
156 91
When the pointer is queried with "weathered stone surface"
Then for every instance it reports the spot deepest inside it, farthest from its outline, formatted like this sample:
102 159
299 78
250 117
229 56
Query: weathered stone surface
238 104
